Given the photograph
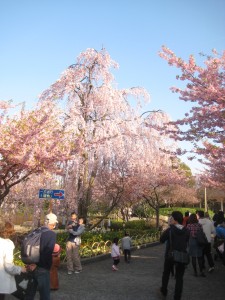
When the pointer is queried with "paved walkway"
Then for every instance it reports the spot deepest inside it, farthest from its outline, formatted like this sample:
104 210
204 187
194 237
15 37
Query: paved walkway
138 280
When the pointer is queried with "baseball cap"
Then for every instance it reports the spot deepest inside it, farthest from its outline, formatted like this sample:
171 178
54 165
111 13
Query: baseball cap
51 218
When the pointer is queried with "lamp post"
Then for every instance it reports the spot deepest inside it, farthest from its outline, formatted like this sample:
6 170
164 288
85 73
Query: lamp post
206 207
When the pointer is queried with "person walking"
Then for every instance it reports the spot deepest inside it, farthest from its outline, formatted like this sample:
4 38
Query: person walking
7 268
178 235
219 240
41 271
126 247
195 251
73 247
209 230
115 253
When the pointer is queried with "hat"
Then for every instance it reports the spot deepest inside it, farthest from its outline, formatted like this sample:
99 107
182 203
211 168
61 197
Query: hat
56 249
51 218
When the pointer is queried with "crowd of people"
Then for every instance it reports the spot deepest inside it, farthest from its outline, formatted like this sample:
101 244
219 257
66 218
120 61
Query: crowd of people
43 275
182 235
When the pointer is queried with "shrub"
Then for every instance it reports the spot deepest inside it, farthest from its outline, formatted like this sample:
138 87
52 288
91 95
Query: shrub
168 210
134 224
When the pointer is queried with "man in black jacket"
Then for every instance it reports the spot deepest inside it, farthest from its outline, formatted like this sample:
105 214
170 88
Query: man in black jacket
178 235
41 270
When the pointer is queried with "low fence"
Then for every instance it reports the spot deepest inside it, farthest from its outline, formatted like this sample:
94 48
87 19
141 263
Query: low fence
104 247
98 248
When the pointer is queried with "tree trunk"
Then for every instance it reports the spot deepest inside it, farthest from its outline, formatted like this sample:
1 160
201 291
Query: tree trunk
157 217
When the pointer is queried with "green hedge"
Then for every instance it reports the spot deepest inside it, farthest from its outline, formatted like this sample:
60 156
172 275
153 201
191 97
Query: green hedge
134 224
168 210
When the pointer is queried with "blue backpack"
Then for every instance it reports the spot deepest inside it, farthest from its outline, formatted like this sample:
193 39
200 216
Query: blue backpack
30 247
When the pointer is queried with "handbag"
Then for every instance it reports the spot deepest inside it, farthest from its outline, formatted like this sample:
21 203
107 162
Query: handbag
178 256
22 281
181 257
24 285
201 238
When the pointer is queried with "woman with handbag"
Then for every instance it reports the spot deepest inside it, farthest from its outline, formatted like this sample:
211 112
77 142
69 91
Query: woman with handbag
195 250
176 237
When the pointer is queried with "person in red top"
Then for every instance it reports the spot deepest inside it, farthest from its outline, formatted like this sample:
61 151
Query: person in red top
54 278
186 218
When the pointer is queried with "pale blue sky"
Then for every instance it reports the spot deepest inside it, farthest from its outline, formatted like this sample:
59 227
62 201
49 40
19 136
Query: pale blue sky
39 39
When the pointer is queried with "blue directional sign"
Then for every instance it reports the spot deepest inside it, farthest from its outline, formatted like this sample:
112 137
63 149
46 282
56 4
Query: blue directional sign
52 194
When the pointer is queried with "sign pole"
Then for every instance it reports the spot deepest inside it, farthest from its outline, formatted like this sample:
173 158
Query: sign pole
50 206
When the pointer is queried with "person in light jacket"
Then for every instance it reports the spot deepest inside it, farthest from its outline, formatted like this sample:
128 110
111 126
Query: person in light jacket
126 247
115 253
7 267
209 231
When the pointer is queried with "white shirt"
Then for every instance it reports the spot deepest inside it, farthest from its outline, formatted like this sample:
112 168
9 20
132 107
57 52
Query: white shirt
7 267
207 227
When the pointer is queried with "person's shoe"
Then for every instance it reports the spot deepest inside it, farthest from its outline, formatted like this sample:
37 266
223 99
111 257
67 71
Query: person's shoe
211 269
195 274
161 294
114 268
70 273
77 271
202 274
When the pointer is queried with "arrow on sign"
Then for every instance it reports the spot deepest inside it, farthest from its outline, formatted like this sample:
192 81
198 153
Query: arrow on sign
60 194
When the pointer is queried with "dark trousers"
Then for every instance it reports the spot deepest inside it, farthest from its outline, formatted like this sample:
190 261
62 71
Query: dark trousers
40 281
179 274
126 255
116 261
208 254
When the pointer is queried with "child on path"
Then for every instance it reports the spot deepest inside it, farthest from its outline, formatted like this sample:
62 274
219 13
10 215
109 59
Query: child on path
54 279
126 247
115 253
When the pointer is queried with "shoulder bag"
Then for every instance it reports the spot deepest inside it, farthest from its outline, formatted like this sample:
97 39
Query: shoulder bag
201 238
178 256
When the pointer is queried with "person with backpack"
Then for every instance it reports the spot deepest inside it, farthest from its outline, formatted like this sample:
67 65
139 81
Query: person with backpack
7 268
41 269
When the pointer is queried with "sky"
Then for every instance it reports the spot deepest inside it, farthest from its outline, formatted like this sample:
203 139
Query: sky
39 39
